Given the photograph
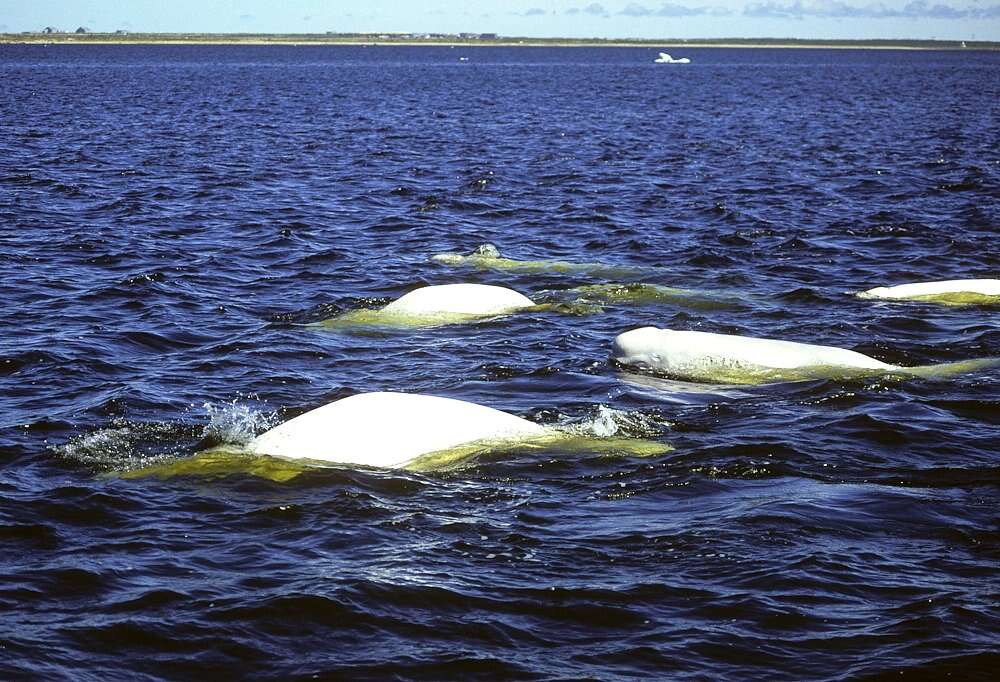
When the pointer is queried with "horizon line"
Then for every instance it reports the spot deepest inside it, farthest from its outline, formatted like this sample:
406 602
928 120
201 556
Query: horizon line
468 38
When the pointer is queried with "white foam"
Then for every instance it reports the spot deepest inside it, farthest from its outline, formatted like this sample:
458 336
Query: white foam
235 423
607 422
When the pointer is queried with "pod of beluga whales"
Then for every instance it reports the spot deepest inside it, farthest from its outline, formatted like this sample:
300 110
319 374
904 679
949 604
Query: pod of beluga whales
431 432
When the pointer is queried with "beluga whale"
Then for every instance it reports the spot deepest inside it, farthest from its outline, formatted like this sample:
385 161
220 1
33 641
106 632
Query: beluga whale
390 430
640 293
437 305
705 357
488 257
665 58
948 292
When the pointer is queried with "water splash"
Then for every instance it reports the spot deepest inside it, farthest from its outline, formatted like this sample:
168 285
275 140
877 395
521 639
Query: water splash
607 422
235 422
127 445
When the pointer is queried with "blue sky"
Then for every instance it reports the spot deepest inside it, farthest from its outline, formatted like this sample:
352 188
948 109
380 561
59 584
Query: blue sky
942 19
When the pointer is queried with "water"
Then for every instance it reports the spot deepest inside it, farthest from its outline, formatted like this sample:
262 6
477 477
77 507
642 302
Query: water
169 215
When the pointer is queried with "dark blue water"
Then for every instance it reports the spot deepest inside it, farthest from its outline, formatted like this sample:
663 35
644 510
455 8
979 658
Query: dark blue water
169 214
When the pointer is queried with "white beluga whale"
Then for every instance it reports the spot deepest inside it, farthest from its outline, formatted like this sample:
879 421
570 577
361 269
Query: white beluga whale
488 257
391 430
949 292
727 359
437 305
665 58
641 293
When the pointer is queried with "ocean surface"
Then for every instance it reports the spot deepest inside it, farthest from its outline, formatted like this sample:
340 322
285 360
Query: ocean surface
174 218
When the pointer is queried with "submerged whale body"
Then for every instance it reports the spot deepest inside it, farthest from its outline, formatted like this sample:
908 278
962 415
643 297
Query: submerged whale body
642 293
724 358
953 291
437 305
390 430
488 256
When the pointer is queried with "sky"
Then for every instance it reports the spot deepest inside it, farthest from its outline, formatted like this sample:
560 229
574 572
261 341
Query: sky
941 19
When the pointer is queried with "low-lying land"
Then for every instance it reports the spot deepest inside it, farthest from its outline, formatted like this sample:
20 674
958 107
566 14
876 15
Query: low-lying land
470 40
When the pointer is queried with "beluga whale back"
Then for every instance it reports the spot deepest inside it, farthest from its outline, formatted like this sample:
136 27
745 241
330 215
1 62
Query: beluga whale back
437 305
460 299
390 430
728 359
948 292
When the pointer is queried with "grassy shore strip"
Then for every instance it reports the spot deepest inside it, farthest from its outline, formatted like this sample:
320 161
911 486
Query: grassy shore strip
456 41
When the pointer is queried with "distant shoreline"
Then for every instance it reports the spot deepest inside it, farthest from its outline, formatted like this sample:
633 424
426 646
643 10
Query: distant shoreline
457 41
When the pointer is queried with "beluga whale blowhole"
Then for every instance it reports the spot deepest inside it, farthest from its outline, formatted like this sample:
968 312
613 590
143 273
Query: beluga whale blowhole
437 305
728 359
948 292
